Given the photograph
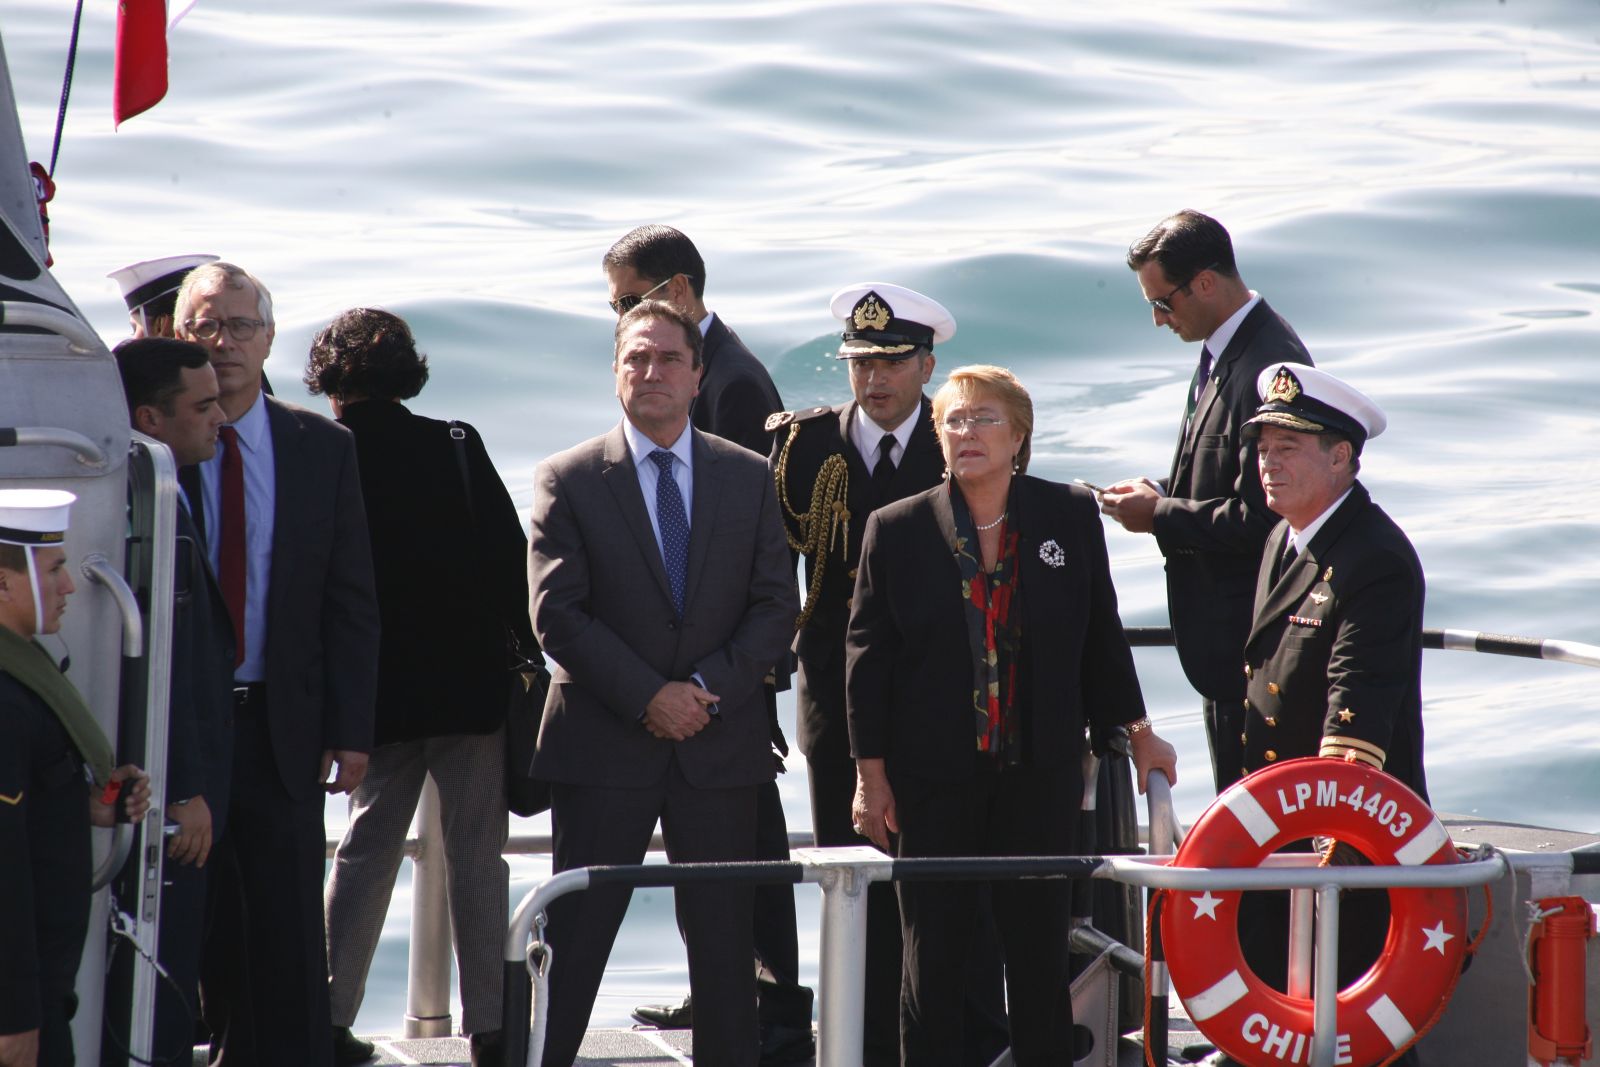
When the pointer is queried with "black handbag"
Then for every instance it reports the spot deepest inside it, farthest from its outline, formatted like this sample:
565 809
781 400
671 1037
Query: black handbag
527 684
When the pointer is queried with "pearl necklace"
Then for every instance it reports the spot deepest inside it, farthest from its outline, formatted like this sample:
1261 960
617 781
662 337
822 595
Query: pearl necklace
992 525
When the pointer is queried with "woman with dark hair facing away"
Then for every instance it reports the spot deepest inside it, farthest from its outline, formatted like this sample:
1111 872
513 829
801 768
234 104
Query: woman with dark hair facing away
450 560
984 641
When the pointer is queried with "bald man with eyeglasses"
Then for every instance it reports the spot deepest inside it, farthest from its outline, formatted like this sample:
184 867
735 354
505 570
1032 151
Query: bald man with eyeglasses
1209 516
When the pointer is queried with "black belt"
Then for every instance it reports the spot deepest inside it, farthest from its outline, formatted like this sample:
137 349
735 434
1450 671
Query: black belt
253 695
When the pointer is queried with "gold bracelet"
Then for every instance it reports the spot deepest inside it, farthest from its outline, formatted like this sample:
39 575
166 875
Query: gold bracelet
1137 726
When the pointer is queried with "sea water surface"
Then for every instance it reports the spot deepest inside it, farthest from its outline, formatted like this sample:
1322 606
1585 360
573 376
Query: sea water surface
1412 183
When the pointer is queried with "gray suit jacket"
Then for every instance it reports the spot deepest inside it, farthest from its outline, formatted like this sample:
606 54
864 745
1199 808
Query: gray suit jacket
604 615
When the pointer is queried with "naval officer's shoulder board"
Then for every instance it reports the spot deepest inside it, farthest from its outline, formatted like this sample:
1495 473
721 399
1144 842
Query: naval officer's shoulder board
779 419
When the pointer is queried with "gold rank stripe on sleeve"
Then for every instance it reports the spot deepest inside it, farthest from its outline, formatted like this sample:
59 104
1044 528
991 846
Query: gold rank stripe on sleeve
1340 747
12 801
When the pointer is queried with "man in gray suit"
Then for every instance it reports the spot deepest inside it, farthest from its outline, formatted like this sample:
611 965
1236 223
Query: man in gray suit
661 590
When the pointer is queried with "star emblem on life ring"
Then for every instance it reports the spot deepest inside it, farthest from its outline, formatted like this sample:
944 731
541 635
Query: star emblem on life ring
1206 904
1436 938
1052 555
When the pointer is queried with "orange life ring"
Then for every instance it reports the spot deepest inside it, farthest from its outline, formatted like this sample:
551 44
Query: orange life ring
1399 997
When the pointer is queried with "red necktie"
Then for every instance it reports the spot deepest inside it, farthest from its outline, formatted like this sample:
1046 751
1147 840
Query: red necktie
231 553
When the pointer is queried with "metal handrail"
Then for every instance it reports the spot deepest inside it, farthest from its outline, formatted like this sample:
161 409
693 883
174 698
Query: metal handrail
74 330
89 454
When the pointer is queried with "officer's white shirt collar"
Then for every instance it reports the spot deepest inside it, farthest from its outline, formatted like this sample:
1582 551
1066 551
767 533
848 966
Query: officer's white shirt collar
705 323
865 435
1302 538
1218 341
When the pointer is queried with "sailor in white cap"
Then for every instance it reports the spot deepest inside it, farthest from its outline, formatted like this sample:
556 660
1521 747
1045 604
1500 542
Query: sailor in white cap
49 742
1333 660
834 466
150 289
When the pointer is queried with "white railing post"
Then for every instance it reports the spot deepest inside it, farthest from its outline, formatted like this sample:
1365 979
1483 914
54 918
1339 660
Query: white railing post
428 969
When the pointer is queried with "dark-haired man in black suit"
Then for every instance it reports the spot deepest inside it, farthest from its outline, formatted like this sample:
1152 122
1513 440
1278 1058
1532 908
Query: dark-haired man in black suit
1208 515
736 394
281 510
173 397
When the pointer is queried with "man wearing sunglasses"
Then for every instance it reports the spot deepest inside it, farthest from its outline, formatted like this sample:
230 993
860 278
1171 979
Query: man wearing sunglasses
736 394
1209 515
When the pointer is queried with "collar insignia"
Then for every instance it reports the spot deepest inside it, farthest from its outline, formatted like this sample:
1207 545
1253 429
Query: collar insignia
1284 388
1327 575
871 313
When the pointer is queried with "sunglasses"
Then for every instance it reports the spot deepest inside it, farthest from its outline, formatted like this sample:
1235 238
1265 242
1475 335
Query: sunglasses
1163 304
624 304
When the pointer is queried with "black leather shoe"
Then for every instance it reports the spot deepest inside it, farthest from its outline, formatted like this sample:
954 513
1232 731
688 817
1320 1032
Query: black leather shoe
782 1045
666 1016
349 1050
487 1049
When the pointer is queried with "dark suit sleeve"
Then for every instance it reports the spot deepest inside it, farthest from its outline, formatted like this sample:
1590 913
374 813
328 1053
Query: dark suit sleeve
559 587
349 615
763 634
1372 665
504 541
19 950
740 414
1111 694
871 644
185 760
1237 523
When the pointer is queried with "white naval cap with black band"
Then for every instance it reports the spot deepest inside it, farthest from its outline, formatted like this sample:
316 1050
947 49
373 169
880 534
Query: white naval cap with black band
152 279
887 321
1309 400
34 518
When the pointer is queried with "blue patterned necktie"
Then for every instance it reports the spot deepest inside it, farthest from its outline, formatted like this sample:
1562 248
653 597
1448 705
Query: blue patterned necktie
674 523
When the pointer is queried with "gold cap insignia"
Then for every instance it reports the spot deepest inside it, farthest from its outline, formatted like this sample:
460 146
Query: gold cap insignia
1284 388
871 313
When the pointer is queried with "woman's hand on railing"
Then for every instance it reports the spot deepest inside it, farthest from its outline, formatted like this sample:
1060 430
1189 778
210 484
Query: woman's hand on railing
873 808
1151 752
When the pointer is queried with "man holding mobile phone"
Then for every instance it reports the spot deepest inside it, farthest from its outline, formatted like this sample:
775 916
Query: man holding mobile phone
1209 515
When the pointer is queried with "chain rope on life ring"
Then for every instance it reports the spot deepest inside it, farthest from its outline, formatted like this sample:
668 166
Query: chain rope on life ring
1382 1013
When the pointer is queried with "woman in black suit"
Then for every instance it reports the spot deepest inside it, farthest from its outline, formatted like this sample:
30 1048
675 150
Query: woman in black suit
984 639
449 557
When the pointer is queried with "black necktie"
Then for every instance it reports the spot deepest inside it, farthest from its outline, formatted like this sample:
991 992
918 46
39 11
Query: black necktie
884 470
1285 561
1202 374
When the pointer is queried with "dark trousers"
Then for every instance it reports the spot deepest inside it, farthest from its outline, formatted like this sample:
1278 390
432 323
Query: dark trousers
780 998
1018 811
264 965
1224 721
600 825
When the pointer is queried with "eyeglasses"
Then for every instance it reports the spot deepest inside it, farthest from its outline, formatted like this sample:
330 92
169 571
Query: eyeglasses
238 329
1163 304
624 304
982 422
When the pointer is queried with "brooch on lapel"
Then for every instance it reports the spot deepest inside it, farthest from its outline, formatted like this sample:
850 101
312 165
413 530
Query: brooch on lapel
1319 598
1052 555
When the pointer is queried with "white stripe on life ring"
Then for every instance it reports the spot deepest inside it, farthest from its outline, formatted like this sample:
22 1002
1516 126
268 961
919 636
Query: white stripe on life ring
1250 814
1219 998
1394 1025
1426 842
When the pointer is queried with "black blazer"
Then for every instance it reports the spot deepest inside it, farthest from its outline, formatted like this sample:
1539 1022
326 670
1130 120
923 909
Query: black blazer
1340 631
322 613
1214 519
908 663
200 730
451 574
819 434
736 392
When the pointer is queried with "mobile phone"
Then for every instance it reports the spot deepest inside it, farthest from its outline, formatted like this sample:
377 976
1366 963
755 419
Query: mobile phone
1095 489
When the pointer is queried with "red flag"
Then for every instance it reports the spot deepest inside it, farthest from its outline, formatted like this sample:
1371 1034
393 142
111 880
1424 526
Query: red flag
141 62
